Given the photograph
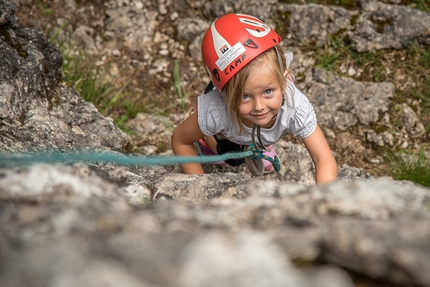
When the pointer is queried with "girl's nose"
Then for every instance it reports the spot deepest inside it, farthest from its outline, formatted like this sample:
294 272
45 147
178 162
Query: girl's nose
258 104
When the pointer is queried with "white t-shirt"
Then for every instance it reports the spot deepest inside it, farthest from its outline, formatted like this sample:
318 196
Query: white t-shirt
296 117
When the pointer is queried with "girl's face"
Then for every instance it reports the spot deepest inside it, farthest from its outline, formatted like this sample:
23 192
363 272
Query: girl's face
262 98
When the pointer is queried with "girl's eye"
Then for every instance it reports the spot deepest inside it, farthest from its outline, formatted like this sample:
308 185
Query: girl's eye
245 97
268 92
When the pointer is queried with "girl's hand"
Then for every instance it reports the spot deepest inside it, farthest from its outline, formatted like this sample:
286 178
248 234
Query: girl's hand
325 164
182 143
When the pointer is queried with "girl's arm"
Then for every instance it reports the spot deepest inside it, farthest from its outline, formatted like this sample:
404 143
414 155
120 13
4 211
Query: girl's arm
325 164
182 143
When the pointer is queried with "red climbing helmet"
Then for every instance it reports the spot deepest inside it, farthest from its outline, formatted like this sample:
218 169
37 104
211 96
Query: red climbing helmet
231 42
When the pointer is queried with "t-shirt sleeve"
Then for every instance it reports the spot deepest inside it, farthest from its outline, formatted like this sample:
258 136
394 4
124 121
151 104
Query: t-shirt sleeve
210 116
304 120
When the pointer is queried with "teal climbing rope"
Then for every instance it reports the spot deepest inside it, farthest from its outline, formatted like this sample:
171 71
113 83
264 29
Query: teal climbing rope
121 159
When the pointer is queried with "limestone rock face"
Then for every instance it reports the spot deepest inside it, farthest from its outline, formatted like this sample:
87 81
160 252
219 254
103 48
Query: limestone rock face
36 111
105 224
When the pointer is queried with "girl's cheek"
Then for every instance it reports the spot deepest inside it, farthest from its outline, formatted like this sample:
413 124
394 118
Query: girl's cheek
243 109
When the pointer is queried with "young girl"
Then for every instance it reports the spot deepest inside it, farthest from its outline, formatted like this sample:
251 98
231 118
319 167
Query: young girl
251 96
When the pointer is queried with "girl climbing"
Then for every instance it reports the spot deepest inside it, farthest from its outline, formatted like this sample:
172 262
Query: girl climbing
251 99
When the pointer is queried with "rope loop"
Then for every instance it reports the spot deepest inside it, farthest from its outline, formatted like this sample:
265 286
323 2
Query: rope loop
258 153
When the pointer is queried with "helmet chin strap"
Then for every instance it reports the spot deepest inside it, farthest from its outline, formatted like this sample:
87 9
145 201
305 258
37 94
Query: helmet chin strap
280 60
257 128
282 71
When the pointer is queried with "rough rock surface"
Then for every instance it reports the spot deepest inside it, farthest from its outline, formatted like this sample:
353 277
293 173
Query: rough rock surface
36 112
383 26
97 224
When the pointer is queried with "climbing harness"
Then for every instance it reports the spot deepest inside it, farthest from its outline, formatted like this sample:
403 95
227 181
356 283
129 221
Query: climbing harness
24 159
255 163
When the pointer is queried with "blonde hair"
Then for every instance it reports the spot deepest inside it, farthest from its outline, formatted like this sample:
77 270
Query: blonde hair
234 89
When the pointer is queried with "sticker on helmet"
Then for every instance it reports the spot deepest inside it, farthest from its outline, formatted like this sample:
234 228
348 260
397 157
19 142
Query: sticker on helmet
238 62
224 49
255 27
229 55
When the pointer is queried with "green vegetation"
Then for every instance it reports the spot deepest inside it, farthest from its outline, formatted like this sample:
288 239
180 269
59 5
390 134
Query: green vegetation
410 166
372 63
44 9
96 85
338 51
423 5
333 50
423 93
178 86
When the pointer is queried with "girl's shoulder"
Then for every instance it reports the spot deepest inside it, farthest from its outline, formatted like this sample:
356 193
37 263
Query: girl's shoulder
294 96
213 114
300 117
210 101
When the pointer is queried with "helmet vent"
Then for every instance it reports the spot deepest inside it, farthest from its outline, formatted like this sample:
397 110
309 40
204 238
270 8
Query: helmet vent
251 44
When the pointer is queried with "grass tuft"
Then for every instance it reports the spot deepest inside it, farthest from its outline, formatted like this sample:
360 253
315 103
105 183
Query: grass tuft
410 166
44 9
333 50
423 5
178 87
93 83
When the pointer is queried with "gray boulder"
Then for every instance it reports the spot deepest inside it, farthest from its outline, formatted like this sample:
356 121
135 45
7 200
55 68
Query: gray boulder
384 26
105 224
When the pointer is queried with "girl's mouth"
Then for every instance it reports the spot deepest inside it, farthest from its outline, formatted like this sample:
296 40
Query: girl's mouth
260 116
